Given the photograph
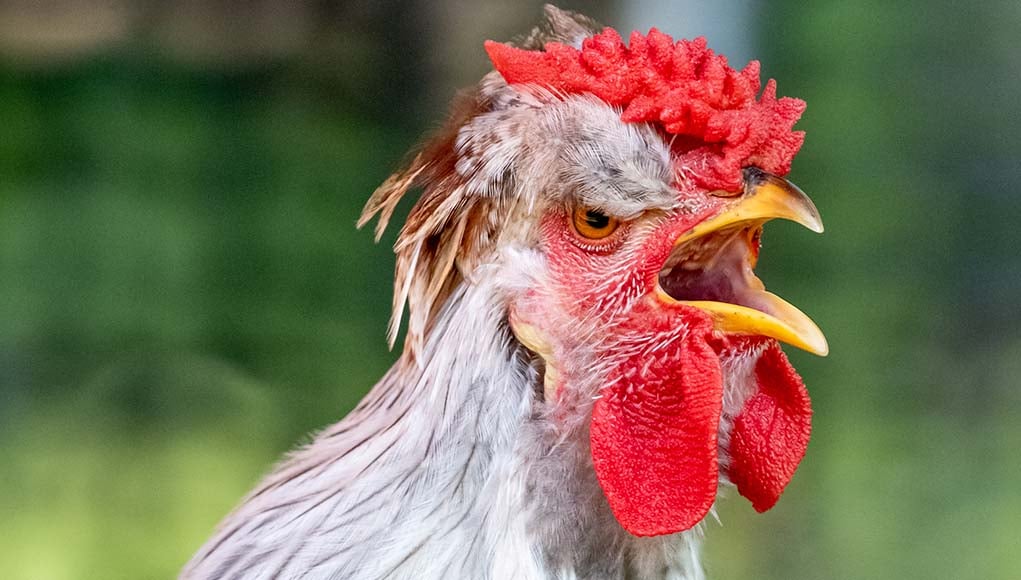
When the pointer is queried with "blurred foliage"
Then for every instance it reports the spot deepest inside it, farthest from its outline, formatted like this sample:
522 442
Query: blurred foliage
913 130
184 296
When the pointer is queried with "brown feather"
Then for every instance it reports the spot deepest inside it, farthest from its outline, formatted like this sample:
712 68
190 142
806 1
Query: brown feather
440 230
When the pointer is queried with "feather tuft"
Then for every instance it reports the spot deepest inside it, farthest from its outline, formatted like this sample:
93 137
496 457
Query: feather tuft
447 230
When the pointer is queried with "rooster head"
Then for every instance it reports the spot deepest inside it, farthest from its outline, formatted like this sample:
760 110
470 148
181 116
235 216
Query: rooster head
618 192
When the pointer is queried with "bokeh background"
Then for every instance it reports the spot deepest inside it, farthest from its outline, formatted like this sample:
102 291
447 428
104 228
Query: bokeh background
183 294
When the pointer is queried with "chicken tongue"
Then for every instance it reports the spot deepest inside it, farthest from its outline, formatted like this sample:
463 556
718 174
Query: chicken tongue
771 432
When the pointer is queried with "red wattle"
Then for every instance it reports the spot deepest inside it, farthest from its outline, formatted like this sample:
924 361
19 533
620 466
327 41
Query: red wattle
771 433
654 437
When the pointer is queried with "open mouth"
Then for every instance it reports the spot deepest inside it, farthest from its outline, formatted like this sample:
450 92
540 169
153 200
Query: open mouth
711 266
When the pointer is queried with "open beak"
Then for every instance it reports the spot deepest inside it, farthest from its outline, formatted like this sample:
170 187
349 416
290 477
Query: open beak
711 265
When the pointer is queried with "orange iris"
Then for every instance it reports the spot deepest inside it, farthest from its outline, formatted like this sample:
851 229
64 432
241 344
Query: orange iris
593 224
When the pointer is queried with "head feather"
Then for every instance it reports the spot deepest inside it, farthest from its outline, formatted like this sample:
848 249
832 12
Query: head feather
446 230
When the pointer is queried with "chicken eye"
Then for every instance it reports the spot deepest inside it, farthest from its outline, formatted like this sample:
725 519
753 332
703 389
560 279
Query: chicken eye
593 224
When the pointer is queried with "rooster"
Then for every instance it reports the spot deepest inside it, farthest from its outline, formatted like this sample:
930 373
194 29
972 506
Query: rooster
589 356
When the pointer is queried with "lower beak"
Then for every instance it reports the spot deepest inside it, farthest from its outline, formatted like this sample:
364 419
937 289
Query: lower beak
756 311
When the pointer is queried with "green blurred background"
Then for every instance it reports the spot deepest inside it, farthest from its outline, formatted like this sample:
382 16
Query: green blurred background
183 295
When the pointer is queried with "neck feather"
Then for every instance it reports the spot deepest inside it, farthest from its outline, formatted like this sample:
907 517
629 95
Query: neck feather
449 468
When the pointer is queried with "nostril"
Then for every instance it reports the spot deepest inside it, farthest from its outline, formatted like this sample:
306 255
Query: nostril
725 194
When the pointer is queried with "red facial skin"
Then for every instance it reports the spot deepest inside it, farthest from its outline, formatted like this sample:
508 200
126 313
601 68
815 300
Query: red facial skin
608 278
655 424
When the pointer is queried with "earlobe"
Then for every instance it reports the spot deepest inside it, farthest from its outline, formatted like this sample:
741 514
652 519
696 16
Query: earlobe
534 340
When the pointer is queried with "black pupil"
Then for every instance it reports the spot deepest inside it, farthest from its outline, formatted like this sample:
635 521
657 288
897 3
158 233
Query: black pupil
596 220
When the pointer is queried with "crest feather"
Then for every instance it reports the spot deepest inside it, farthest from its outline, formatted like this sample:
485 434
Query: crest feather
561 26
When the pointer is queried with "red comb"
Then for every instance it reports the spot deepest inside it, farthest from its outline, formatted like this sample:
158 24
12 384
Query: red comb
684 86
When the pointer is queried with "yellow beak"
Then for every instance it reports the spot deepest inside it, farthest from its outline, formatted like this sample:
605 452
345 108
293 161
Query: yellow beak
766 197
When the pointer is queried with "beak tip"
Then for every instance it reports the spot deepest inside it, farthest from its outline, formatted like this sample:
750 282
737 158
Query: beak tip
813 340
816 222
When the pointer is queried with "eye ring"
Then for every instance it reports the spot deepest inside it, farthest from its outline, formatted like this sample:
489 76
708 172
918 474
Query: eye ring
593 225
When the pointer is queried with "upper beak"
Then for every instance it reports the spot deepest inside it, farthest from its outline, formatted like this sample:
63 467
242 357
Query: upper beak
766 197
762 313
